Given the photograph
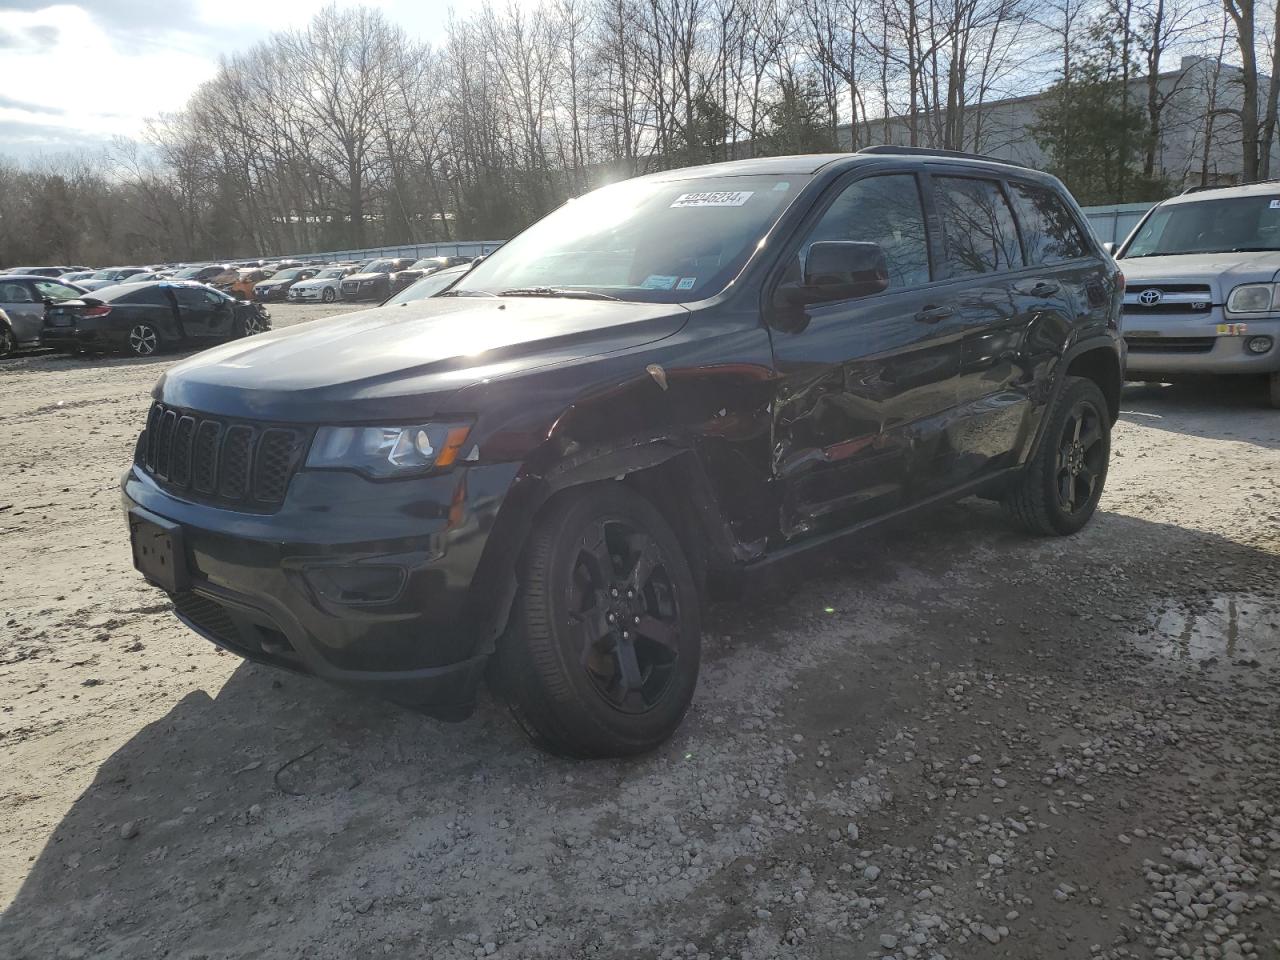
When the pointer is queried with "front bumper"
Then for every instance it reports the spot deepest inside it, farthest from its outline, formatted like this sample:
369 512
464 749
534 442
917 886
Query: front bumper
1207 344
310 293
371 586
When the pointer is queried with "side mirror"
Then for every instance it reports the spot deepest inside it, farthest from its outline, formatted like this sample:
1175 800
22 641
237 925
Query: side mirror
845 269
1109 247
834 270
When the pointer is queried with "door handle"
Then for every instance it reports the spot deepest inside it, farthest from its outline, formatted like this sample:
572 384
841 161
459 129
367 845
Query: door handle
932 314
1042 288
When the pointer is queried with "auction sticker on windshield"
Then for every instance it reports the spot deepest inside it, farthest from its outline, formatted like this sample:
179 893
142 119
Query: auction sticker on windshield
721 198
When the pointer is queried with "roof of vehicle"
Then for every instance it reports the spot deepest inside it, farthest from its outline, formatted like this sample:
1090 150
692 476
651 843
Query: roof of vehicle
33 276
128 286
1262 188
811 163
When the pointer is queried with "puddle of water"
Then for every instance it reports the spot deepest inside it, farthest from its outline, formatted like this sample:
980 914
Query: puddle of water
1242 627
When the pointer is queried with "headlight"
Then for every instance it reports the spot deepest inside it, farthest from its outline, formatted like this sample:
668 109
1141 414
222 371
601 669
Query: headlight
381 452
1251 298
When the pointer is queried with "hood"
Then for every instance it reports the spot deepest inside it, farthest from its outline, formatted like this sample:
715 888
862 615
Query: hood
1221 272
403 363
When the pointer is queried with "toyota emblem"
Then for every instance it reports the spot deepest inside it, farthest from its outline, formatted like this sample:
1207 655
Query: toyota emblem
1149 298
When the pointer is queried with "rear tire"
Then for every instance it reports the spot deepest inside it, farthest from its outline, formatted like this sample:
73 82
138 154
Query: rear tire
601 656
144 340
1059 488
8 344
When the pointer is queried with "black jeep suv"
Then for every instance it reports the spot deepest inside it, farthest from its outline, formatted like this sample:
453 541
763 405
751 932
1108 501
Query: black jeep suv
660 386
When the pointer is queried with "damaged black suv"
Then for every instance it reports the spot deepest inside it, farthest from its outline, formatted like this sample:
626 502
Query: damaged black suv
664 384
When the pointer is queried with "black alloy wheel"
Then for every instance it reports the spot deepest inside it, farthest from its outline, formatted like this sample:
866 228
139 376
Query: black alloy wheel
601 654
626 613
1081 456
1057 491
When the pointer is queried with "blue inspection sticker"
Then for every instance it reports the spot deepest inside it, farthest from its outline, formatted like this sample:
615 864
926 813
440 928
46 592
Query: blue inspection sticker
686 283
658 282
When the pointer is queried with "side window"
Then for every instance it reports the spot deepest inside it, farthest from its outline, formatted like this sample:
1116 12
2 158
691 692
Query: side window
14 292
55 291
213 298
980 233
148 295
1049 231
884 210
190 297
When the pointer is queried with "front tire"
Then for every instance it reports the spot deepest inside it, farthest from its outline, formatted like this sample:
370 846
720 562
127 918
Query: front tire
601 656
8 343
144 340
1059 488
328 296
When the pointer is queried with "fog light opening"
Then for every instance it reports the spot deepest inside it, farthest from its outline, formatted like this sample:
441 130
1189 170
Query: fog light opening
1259 344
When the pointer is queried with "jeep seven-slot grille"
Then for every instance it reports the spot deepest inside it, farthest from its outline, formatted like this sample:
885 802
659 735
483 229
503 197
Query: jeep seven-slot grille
231 463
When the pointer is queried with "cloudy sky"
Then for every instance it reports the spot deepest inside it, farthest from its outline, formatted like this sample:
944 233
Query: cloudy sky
77 74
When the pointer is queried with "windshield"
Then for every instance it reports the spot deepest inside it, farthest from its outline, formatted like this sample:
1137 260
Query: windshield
1210 226
378 266
188 273
655 241
107 275
428 286
286 274
329 274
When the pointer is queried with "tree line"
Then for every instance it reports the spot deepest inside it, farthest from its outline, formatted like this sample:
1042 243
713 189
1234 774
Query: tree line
349 133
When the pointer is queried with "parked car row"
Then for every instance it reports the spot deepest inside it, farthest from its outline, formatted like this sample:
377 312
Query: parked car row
264 281
139 314
151 308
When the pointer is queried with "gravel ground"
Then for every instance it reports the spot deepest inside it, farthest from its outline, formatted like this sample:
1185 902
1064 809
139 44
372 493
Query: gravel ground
945 740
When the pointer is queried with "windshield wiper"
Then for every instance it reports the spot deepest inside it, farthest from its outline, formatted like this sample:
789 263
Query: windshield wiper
555 292
1255 249
466 293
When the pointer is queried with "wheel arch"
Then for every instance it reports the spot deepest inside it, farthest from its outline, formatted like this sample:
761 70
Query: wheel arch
666 472
1099 362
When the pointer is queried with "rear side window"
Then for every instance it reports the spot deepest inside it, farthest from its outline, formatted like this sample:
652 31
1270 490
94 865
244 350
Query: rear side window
884 210
14 292
1049 231
147 295
978 226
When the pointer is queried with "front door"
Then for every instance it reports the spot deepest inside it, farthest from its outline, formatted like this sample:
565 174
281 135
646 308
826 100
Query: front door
865 384
203 314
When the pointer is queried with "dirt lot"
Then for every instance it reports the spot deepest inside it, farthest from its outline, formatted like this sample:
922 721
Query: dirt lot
945 740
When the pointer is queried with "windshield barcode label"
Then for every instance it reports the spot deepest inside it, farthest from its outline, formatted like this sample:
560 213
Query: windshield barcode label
735 198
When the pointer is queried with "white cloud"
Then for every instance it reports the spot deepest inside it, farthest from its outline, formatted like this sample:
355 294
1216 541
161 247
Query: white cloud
88 79
95 69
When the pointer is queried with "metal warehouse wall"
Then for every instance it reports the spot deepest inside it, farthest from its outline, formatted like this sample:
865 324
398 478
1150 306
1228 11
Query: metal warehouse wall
1113 223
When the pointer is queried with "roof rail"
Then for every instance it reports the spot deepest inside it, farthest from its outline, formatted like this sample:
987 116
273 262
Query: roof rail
1227 186
888 148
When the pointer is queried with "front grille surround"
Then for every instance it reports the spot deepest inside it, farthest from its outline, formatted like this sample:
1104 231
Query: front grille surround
242 465
1174 298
